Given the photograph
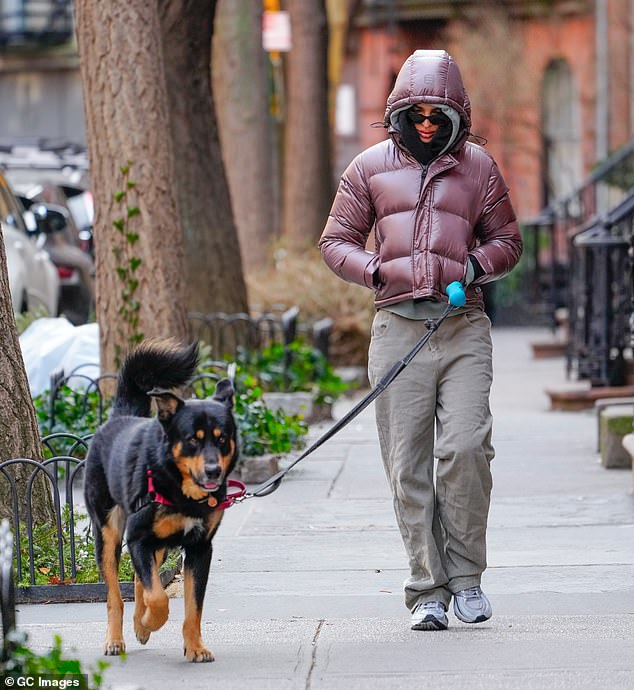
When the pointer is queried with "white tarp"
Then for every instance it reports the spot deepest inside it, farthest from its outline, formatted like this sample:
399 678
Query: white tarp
51 344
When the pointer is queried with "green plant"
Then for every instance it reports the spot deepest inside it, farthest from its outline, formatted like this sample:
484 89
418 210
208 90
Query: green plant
23 661
46 558
127 266
75 411
263 430
295 367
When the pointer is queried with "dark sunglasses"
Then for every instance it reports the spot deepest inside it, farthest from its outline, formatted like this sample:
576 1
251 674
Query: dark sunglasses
417 118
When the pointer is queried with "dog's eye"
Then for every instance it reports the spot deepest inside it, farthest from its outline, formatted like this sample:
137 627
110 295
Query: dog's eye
192 441
222 440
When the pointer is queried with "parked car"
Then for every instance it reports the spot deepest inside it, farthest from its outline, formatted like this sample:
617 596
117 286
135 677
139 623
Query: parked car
76 268
33 279
53 187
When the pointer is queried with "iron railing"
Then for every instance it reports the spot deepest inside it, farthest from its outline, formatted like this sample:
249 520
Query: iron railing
39 23
602 297
550 236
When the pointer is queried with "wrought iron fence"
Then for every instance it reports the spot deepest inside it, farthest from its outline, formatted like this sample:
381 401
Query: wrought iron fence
602 298
63 476
36 22
231 334
550 236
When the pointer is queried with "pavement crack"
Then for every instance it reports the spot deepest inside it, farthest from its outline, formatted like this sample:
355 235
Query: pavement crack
313 659
335 479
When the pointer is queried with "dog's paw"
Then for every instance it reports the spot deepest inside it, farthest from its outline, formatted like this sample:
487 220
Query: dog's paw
142 633
154 618
198 655
113 647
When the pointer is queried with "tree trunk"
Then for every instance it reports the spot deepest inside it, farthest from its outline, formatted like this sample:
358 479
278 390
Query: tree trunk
245 123
19 433
140 264
307 192
212 252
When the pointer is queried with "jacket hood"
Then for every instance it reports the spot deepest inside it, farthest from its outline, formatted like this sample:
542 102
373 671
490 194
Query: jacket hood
430 76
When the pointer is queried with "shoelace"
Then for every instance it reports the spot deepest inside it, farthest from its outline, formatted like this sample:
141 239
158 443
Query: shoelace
472 593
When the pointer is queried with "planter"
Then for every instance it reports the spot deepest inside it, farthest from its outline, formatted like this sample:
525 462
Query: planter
292 404
82 592
255 469
300 403
322 412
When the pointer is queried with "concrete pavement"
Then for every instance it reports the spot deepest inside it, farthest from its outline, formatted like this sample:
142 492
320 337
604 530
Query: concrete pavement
305 589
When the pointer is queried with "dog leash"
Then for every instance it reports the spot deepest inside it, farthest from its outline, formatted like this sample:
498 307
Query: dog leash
455 292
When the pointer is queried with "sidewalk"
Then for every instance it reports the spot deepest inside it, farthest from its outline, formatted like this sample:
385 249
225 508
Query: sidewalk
306 584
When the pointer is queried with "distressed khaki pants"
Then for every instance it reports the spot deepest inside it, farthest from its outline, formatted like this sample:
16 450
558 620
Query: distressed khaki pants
443 393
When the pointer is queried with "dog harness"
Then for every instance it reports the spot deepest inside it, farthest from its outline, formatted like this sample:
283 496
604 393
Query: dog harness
153 496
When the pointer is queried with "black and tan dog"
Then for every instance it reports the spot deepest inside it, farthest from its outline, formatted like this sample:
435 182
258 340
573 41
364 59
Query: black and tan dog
163 481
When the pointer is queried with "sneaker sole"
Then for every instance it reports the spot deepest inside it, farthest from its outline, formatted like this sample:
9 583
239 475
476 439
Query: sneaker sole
479 619
430 624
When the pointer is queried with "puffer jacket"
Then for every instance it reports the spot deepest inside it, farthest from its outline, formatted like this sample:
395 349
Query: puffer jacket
426 221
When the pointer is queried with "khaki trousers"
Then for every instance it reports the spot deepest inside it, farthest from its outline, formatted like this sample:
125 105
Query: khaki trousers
443 393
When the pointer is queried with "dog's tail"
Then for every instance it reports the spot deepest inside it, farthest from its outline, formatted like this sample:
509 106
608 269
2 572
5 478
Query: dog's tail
153 364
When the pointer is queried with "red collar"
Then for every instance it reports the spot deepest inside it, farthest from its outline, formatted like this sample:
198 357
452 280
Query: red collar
227 503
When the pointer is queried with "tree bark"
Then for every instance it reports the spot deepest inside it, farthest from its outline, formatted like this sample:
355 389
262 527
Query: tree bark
19 432
307 191
245 123
212 252
127 118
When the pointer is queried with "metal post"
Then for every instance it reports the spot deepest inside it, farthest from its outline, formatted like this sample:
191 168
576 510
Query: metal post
7 593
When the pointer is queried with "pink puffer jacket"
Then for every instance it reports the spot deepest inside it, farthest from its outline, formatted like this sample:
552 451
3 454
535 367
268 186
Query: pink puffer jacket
426 222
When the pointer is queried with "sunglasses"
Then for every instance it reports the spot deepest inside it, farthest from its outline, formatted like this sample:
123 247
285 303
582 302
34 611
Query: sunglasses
417 118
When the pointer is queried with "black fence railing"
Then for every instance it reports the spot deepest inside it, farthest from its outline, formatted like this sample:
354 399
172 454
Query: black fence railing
63 475
231 334
550 236
601 298
38 23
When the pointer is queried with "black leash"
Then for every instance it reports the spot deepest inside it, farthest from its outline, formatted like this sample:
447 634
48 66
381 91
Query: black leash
273 483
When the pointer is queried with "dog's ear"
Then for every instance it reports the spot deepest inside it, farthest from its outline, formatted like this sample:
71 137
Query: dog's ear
167 404
224 392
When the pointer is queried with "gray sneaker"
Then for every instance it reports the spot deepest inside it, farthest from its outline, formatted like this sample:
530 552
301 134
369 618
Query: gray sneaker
430 615
472 606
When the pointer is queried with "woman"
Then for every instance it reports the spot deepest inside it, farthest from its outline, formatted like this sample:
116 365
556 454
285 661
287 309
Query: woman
441 212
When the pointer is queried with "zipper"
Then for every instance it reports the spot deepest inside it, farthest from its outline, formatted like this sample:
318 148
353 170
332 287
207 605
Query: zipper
418 221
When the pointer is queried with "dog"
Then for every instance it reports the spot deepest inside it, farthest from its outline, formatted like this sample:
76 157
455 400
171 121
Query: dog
163 481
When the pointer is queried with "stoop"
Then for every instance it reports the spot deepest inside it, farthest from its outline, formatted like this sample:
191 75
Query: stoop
615 422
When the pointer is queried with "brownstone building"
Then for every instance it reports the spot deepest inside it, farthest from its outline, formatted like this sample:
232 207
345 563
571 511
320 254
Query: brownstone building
551 81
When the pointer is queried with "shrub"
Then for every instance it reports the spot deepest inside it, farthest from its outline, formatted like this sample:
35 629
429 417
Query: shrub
46 558
261 429
318 292
297 367
23 661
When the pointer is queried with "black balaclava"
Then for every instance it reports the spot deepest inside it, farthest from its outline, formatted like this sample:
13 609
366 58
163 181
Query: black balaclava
424 153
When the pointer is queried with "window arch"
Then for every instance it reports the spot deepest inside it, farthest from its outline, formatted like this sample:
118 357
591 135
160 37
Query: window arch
561 132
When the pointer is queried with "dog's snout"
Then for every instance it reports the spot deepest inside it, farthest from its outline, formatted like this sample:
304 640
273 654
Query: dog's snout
212 470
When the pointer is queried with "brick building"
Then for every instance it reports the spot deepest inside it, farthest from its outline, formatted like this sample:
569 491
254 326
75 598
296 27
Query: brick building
551 82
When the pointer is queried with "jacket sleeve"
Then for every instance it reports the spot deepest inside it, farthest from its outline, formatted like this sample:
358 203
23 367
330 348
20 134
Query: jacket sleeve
500 244
350 221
